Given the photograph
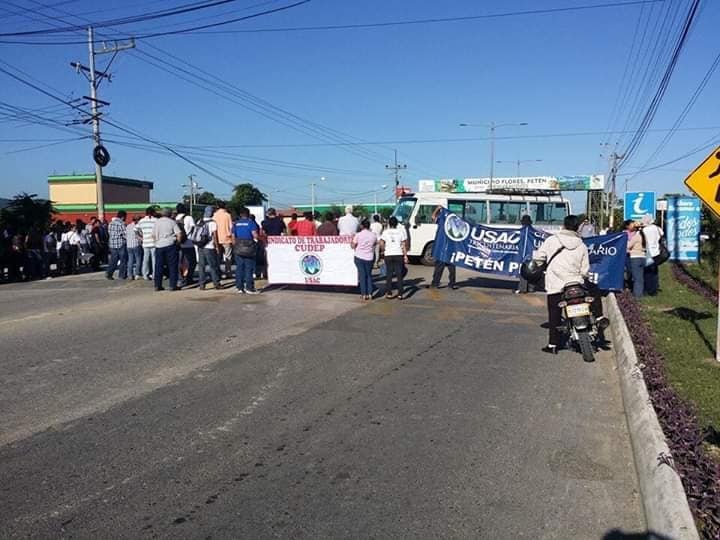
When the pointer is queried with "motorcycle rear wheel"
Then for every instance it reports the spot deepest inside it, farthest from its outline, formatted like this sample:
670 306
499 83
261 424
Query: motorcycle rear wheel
586 346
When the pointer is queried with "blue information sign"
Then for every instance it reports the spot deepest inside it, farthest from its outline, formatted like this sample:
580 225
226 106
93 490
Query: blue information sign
639 203
682 226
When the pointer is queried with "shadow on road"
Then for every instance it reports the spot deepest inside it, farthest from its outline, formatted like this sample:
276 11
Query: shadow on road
617 534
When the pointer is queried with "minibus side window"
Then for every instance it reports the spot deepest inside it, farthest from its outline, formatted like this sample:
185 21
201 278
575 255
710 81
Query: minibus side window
548 213
456 207
506 212
476 212
424 214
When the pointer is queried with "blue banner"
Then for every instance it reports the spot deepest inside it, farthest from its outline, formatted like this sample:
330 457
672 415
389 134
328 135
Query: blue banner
607 255
682 225
502 250
495 250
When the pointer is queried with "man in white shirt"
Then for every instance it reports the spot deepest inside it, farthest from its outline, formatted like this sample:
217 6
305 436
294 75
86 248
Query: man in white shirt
188 256
348 225
653 236
145 226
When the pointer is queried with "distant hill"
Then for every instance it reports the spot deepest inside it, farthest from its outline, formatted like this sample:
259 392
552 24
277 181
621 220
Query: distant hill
4 202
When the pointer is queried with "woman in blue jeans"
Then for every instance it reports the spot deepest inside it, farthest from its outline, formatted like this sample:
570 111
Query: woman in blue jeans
364 245
636 257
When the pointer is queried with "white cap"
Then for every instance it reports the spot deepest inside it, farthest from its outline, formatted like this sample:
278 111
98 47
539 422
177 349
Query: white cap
348 209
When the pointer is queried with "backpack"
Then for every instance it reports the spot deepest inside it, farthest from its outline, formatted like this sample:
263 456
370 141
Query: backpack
180 219
200 235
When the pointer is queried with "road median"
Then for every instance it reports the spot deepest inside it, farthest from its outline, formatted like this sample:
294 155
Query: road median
664 501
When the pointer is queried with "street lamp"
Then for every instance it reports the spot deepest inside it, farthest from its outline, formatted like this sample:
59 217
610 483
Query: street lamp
493 126
519 161
312 196
383 187
270 195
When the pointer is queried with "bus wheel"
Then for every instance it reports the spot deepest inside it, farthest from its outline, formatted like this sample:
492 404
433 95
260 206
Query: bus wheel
427 259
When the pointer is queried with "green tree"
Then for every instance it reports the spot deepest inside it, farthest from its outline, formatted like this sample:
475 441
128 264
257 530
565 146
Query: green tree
386 212
361 211
206 198
245 195
25 211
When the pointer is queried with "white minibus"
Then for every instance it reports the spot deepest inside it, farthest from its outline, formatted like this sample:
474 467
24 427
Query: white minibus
414 211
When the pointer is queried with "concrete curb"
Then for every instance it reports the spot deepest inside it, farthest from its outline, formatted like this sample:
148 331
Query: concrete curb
664 501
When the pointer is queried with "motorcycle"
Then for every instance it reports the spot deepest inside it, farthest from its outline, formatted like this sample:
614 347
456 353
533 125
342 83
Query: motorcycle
580 324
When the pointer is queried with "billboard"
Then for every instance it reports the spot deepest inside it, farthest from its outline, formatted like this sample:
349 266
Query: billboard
584 182
682 228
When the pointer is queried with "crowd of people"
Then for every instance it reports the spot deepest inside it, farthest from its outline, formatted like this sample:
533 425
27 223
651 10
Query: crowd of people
170 243
645 240
60 250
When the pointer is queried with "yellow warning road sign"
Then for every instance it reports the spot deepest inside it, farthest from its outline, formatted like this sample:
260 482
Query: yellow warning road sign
705 181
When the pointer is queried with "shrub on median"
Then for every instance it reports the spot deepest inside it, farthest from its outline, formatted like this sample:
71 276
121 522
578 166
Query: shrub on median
700 475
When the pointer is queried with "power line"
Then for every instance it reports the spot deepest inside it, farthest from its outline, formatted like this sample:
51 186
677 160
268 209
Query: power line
436 20
47 145
710 143
269 107
686 110
441 140
116 126
639 82
179 10
662 88
106 24
232 93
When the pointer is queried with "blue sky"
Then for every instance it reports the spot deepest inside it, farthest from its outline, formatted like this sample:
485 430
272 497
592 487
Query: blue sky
559 72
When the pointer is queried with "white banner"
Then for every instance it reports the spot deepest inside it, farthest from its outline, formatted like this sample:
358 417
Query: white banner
311 260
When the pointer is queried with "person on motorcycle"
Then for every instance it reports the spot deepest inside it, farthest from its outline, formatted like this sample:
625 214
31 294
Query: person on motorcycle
568 262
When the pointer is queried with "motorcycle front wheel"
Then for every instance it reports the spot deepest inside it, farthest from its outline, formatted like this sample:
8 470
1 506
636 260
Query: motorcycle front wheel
586 346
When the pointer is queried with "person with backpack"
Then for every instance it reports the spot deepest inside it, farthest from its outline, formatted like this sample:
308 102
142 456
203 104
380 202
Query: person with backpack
653 243
205 238
188 259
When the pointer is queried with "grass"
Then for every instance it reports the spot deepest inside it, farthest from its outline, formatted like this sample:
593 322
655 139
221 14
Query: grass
685 325
704 272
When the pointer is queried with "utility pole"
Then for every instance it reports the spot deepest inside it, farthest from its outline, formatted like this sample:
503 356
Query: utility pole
95 78
614 159
492 126
396 168
312 196
192 187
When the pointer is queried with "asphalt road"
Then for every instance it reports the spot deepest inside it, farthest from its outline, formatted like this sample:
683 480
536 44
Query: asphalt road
305 414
